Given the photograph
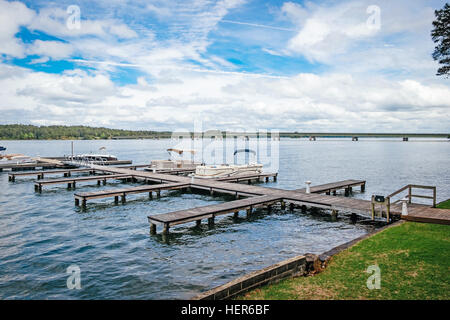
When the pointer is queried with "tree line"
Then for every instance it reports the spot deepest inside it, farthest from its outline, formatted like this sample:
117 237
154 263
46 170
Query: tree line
30 132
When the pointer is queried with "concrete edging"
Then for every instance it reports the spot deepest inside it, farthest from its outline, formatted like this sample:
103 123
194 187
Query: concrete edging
295 266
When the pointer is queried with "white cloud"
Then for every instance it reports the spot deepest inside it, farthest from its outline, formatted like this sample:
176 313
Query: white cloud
54 49
227 101
13 15
54 21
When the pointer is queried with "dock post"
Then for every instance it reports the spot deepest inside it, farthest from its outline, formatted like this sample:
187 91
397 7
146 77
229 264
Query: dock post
104 181
308 188
166 229
152 228
291 206
69 185
283 205
334 192
267 179
77 202
124 198
236 196
373 208
211 221
236 215
83 203
269 208
363 187
328 192
334 214
388 209
211 192
74 184
98 182
116 199
198 223
158 193
65 174
249 212
275 178
347 192
150 195
303 209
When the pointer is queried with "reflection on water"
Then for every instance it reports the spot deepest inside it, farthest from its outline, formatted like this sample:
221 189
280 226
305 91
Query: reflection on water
43 234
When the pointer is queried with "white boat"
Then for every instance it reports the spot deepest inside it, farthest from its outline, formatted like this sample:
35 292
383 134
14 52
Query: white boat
228 170
16 158
94 157
173 163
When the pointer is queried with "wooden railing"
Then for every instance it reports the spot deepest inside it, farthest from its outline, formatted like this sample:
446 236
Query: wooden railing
410 195
387 201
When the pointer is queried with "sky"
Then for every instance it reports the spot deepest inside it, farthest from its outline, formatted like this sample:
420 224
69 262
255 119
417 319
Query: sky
323 66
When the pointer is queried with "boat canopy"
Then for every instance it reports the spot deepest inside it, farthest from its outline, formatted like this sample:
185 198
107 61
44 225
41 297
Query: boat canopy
243 150
181 151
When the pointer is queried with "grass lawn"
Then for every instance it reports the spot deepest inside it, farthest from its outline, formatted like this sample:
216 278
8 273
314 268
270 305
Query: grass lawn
444 205
414 259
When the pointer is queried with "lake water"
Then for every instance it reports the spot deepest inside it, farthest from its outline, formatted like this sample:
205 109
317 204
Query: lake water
41 235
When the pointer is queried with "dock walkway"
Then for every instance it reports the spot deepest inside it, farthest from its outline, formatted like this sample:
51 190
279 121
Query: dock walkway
332 187
71 182
82 197
209 212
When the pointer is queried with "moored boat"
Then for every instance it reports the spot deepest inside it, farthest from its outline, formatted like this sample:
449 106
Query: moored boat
173 163
228 170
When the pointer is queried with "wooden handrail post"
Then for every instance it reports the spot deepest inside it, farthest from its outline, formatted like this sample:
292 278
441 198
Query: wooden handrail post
434 197
409 193
388 208
373 208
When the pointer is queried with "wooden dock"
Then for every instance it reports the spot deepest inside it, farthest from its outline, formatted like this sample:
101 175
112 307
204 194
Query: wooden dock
65 172
157 188
71 182
257 196
209 212
83 197
40 174
329 188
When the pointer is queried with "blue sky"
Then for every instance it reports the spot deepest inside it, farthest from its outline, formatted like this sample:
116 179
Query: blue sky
233 64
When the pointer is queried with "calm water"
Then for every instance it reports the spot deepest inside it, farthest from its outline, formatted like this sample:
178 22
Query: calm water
43 234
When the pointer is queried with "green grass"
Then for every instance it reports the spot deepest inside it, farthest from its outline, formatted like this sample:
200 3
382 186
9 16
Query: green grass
444 204
413 258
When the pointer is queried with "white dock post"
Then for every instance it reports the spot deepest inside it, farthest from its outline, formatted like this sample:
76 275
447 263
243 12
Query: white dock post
308 189
404 207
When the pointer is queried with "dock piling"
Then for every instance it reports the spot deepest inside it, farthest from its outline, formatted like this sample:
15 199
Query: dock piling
152 228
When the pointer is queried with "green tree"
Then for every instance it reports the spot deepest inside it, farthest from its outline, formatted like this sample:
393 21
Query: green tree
441 36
